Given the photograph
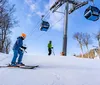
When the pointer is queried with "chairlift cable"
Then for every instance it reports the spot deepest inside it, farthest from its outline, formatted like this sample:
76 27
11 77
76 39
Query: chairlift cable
38 24
49 28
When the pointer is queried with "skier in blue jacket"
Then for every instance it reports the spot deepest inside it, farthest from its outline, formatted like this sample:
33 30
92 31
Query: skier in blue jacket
18 50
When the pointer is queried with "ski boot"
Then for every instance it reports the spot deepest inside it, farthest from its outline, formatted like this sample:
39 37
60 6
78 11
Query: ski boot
20 64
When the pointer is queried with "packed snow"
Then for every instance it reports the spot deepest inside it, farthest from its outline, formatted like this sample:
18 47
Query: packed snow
52 70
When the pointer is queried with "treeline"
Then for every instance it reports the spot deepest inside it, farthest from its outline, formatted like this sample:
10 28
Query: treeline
7 22
85 39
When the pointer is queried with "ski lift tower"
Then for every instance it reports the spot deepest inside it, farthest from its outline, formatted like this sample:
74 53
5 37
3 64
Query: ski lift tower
75 5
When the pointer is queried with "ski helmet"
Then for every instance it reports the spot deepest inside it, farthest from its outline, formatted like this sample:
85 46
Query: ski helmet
23 35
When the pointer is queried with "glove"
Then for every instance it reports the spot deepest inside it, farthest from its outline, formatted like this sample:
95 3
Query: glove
23 47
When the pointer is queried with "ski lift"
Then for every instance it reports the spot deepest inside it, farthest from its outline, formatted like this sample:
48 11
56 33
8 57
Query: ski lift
44 26
92 13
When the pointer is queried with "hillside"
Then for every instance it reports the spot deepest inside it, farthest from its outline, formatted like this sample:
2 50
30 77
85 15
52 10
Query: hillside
53 70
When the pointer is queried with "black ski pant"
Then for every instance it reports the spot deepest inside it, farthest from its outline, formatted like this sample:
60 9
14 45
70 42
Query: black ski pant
49 51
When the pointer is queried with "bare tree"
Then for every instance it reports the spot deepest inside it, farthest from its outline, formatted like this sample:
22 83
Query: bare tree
97 36
79 36
7 45
86 41
7 21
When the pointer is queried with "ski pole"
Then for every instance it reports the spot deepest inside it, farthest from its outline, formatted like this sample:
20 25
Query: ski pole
25 51
53 52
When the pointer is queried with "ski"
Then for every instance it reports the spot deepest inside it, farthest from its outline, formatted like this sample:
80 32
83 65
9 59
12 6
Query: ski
23 67
28 67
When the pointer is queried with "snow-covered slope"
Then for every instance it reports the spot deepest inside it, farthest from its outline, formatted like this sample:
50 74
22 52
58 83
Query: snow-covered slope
53 70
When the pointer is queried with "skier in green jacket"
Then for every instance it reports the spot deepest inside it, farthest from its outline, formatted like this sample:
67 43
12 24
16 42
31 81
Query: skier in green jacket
50 47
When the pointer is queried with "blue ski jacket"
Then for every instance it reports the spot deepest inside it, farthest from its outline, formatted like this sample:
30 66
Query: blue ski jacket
18 43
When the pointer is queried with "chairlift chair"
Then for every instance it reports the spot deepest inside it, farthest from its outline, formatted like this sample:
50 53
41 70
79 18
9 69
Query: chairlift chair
92 13
44 26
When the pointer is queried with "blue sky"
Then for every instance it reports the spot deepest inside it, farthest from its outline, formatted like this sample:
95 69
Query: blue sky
29 13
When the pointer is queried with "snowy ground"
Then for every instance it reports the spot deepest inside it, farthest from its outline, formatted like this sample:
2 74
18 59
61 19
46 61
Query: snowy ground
53 70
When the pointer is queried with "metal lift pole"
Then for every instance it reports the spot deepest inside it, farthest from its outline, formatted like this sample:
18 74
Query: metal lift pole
76 5
65 30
